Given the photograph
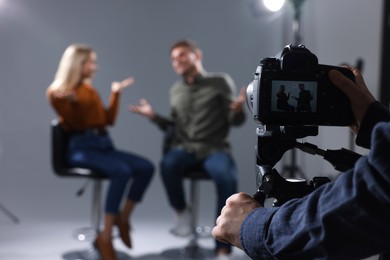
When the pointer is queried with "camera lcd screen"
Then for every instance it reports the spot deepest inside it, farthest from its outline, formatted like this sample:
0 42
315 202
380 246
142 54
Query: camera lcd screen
294 96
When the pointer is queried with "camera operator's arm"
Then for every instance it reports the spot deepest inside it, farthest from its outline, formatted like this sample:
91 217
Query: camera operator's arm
326 223
376 112
367 111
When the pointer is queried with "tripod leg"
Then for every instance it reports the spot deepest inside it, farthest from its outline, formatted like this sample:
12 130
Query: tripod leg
292 171
9 214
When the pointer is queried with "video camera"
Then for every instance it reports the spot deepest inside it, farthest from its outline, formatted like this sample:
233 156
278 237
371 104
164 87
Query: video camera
293 89
290 96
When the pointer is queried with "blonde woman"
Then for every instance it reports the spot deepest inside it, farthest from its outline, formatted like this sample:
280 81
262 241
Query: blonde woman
85 118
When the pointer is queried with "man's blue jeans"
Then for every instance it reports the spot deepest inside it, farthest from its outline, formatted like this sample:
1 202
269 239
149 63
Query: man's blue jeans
220 167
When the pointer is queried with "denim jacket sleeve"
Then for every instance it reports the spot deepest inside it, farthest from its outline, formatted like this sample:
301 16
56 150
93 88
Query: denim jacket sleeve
345 219
376 112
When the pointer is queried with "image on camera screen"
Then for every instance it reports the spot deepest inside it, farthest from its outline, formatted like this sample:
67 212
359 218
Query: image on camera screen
294 96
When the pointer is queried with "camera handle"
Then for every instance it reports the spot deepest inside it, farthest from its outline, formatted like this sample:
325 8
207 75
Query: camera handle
342 159
271 147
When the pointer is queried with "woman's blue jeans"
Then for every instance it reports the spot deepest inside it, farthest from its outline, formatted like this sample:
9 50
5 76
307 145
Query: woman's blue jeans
220 167
98 153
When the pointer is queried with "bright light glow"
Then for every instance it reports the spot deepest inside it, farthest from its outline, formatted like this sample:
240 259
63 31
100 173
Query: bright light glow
274 5
81 237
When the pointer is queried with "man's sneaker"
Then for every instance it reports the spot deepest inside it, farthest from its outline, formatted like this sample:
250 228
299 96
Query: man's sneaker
182 226
223 257
223 254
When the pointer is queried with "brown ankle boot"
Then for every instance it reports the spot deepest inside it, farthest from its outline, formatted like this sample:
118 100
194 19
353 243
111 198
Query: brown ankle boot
105 248
124 231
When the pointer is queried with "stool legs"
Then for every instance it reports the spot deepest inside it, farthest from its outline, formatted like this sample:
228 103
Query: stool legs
96 202
91 253
192 250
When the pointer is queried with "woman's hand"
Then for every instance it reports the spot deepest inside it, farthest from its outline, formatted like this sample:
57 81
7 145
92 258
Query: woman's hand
117 86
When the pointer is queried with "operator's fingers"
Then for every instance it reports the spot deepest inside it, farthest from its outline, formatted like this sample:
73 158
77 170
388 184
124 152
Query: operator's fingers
358 77
343 83
350 88
219 234
358 93
361 84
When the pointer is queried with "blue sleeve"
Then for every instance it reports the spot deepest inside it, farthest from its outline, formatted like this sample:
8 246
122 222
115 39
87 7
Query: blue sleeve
376 112
345 219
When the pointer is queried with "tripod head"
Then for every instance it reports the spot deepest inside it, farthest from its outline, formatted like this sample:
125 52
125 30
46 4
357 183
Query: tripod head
272 142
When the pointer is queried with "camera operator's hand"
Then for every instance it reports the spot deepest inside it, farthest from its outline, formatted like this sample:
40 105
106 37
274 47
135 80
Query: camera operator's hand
357 92
143 108
117 86
237 208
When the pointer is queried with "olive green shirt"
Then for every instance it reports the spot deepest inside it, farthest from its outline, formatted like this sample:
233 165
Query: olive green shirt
201 114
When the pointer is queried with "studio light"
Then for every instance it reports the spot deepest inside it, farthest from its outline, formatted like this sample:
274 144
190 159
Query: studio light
274 5
2 3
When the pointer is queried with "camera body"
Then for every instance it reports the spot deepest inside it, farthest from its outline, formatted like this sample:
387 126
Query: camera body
293 89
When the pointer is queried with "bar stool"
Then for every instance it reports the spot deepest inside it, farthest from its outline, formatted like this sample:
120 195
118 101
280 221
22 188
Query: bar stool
193 250
59 144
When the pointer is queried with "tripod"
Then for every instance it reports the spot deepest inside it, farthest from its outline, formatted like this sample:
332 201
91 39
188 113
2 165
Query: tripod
9 214
292 170
272 143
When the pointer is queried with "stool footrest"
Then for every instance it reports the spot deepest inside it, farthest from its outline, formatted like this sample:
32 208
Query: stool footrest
85 234
202 231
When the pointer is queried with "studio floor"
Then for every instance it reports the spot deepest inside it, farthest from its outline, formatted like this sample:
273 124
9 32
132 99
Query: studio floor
50 239
54 240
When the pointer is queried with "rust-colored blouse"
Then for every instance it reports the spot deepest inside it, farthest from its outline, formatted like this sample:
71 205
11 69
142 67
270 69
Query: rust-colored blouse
84 109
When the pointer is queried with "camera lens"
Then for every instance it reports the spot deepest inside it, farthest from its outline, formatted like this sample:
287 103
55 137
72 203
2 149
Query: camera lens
249 96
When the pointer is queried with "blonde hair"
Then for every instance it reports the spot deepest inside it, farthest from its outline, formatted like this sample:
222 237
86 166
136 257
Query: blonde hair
69 72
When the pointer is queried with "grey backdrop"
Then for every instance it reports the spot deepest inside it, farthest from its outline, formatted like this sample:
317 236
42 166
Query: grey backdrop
133 38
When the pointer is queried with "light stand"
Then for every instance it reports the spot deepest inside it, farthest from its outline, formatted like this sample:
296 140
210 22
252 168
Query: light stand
9 214
296 26
292 171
